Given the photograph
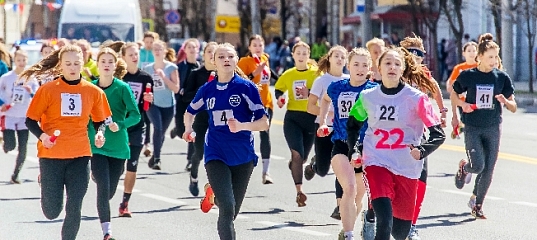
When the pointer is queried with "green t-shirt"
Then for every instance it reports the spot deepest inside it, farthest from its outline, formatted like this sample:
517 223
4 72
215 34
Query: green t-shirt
125 113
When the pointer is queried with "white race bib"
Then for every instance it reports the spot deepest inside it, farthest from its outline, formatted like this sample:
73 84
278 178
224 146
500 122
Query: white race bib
483 96
387 113
158 83
136 90
71 105
345 102
299 84
220 117
18 95
265 78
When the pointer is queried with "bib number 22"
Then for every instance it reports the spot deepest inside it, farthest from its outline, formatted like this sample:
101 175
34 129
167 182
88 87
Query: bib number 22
398 133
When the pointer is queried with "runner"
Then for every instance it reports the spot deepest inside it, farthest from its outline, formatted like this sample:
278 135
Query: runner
392 154
138 80
146 58
195 81
89 71
15 97
299 125
375 47
487 91
65 103
331 66
235 110
165 84
256 66
342 95
188 62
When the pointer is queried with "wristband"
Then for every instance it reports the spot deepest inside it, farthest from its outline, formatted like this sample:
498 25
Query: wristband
444 110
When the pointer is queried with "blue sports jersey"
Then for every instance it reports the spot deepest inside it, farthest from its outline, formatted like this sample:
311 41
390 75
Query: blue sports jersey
343 97
237 99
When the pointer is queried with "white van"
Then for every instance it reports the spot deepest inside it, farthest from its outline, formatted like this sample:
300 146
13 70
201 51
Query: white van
101 20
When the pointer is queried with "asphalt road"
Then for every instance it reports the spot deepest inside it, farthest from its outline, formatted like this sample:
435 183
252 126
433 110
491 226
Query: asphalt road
163 208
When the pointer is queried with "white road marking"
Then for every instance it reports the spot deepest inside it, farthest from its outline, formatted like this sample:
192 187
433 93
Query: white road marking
470 194
121 188
295 229
271 156
526 204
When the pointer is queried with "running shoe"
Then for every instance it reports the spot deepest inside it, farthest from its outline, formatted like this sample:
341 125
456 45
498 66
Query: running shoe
266 179
309 173
14 180
460 177
335 214
413 234
208 201
173 133
153 163
156 166
477 212
341 235
368 228
301 199
188 165
124 210
193 187
471 203
108 237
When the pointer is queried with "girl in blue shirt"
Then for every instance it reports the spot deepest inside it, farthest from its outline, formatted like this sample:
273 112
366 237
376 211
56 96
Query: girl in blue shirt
235 110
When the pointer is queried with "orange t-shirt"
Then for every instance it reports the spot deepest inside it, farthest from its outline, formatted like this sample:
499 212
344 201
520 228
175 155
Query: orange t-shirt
248 66
68 108
457 70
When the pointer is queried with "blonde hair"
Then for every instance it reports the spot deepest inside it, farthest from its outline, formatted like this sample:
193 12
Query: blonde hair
4 55
170 55
360 52
324 61
20 52
86 45
375 41
150 34
238 71
121 66
49 65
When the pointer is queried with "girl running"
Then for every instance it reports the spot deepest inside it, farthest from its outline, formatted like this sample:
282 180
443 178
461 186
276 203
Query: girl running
62 105
258 71
188 62
146 58
196 80
108 161
375 47
165 85
235 110
331 66
89 72
343 94
299 125
392 155
138 81
487 91
15 97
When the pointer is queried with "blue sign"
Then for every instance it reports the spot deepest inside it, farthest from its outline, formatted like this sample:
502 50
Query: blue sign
360 8
172 17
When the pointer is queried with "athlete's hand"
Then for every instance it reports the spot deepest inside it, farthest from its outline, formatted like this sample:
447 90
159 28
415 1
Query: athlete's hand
281 101
259 68
416 154
302 91
455 122
501 98
148 97
356 160
45 140
467 108
186 135
160 73
443 120
234 125
3 108
99 139
113 127
322 131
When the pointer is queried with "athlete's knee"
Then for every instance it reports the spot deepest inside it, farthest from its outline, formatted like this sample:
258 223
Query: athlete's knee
51 211
400 228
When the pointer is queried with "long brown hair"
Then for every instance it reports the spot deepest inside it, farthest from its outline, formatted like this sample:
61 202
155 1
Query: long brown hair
324 61
4 55
310 61
121 66
49 65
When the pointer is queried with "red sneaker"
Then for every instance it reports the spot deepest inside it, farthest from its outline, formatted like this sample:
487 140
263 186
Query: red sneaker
124 210
208 201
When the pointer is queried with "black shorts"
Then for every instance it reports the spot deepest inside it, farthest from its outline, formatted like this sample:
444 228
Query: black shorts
137 136
341 147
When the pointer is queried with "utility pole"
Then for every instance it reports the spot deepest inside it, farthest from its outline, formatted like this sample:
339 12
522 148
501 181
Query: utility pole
335 22
213 19
367 32
507 37
256 18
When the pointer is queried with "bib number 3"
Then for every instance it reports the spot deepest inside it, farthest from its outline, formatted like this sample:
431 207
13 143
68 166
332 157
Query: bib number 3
71 105
396 133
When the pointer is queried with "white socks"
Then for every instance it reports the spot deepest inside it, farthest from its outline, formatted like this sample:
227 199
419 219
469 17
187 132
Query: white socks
349 235
107 228
266 163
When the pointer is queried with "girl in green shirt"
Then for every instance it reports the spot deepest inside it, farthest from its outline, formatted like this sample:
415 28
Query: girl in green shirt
108 162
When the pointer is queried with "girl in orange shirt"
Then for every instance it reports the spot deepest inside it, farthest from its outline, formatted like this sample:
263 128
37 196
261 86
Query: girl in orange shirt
67 104
260 74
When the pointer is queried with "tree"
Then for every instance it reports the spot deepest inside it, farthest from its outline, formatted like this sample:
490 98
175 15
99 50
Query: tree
496 10
452 9
160 23
528 9
426 12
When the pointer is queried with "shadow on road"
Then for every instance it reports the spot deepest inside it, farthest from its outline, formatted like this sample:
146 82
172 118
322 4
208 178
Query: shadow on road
320 193
165 210
19 199
271 211
294 225
441 175
446 220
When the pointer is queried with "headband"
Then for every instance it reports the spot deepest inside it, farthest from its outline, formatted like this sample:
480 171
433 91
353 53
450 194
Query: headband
416 52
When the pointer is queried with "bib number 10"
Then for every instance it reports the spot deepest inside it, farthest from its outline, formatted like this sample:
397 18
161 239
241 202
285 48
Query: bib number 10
397 133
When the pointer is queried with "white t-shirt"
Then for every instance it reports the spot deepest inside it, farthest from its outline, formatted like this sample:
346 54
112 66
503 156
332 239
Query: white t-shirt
12 91
320 85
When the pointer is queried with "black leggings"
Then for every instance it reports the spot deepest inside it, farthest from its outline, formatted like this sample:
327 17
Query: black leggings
199 146
147 122
133 161
386 223
229 185
264 136
106 171
323 153
299 131
74 175
9 145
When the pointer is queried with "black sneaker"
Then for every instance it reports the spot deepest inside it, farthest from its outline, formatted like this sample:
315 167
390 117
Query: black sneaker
156 166
460 177
193 187
309 173
335 214
173 133
151 162
477 212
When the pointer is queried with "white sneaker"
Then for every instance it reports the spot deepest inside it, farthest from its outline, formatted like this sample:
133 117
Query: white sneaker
471 203
413 234
368 228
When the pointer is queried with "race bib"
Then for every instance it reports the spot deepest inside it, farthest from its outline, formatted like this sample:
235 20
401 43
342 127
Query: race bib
345 102
18 95
220 117
71 105
158 83
265 78
483 96
136 90
296 85
387 113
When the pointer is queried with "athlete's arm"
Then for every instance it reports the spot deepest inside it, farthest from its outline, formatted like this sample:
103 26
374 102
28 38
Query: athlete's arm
323 110
430 119
173 81
188 121
278 93
312 105
34 127
510 102
353 132
261 124
133 114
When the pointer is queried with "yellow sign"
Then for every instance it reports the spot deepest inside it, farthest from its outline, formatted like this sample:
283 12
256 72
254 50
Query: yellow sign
227 24
148 24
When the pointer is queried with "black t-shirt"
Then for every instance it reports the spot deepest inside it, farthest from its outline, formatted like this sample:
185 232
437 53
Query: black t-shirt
481 89
138 82
196 79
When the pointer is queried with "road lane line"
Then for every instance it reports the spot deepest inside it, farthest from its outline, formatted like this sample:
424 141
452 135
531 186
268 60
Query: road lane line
271 156
295 229
526 204
121 188
470 194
